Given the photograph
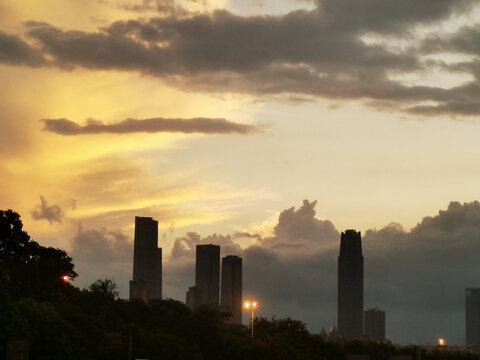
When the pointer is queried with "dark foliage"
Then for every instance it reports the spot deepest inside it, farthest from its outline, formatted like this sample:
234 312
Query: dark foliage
33 270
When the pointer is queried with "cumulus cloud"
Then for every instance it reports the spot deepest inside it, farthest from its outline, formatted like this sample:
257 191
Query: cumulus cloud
154 125
417 276
102 253
317 53
185 247
299 230
52 213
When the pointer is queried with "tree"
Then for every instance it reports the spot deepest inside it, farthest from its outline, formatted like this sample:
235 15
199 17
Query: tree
105 287
33 270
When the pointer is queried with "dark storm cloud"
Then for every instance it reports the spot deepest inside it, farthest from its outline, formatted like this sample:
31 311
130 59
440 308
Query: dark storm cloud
154 125
52 213
319 53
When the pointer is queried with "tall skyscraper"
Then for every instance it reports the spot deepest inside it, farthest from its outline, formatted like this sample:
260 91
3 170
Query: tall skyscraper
472 316
350 285
231 299
374 324
147 261
207 275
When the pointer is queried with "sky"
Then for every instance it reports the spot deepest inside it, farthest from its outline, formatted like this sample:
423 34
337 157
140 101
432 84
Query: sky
267 127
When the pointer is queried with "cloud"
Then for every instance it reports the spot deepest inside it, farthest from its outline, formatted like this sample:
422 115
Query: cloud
154 125
320 53
14 50
299 230
185 247
167 7
417 276
389 16
51 213
102 253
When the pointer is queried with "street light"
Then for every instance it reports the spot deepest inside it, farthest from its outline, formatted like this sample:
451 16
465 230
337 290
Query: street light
66 278
250 305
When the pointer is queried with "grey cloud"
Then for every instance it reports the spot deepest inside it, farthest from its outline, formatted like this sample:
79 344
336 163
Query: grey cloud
185 247
458 101
417 276
96 246
102 253
52 213
466 40
14 50
299 230
389 15
153 125
316 53
168 7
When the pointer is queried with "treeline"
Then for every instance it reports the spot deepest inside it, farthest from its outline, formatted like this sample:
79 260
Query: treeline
61 321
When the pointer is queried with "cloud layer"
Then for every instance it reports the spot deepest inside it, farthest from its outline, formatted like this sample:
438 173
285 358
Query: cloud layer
418 277
154 125
346 49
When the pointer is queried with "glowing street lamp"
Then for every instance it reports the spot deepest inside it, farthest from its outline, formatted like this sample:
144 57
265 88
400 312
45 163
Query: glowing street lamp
250 305
65 278
442 341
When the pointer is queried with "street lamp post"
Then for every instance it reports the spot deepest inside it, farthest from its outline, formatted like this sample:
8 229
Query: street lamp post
251 305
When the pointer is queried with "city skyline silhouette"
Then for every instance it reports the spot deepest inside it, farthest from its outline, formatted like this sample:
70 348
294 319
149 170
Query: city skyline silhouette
267 127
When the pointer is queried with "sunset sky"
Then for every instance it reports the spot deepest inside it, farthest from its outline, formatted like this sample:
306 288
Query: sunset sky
215 117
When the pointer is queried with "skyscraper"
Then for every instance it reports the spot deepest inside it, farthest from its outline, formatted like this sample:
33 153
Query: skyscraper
472 316
147 261
374 324
350 285
231 299
207 275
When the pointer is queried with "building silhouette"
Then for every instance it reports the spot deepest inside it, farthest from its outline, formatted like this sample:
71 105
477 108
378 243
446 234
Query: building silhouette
192 295
350 285
231 296
207 275
147 261
472 316
374 324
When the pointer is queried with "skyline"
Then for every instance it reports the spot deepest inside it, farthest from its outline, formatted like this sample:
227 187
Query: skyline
404 274
216 117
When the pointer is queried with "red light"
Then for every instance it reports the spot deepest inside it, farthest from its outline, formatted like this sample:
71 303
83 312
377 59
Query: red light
65 278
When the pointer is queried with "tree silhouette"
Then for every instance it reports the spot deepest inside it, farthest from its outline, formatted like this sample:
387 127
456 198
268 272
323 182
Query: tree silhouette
33 270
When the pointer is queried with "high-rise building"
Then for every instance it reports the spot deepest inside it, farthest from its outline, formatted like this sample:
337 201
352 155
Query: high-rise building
147 261
374 324
207 275
350 285
472 316
231 297
192 295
